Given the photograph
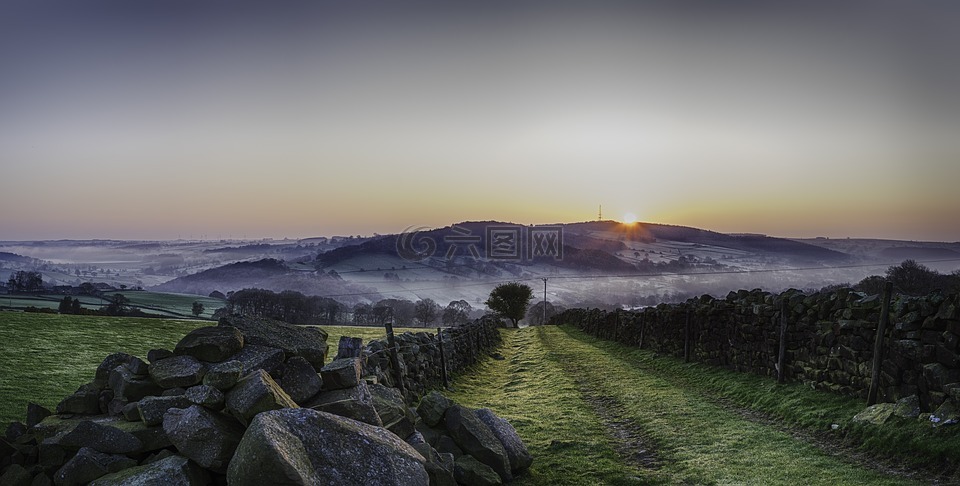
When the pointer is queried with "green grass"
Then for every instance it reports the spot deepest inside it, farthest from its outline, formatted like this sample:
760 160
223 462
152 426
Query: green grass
679 409
907 441
531 390
45 357
160 303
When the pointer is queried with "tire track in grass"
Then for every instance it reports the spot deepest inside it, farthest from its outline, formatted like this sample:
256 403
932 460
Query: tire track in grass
698 441
569 442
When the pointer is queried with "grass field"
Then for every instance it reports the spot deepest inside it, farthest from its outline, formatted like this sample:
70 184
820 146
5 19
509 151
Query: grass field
596 412
160 303
44 357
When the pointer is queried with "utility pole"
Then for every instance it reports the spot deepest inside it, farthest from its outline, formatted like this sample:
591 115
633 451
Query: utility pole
600 213
544 319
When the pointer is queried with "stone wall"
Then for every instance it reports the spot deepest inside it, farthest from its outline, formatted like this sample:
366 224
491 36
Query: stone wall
830 338
229 403
419 355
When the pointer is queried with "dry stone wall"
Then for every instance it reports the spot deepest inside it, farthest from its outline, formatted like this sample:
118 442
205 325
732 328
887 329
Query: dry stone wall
829 340
230 403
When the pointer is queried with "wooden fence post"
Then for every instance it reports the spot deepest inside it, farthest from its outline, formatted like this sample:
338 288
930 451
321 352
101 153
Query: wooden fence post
686 339
878 344
643 327
443 360
394 358
782 356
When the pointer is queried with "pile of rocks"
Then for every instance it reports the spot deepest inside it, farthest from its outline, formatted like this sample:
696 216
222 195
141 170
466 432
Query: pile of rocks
251 402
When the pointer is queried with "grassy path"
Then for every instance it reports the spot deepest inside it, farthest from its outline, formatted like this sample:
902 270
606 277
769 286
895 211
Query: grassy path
591 414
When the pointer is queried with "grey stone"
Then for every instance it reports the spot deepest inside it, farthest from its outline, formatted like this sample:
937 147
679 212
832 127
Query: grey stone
88 465
255 357
349 347
946 414
355 403
134 364
875 414
308 342
341 373
303 446
477 440
440 467
433 407
907 407
177 371
16 475
125 384
445 444
223 376
255 393
206 396
170 471
396 417
517 452
212 344
14 431
471 472
174 392
131 411
101 438
152 409
300 380
158 354
205 437
36 413
85 401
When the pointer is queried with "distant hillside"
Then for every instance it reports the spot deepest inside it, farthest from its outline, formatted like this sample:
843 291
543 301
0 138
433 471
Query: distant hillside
13 257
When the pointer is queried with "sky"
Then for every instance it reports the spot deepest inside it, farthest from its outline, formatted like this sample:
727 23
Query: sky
175 119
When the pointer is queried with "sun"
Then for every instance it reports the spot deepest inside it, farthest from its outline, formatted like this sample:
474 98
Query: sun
629 218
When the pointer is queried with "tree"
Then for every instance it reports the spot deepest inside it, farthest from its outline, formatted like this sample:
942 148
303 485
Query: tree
24 281
912 278
537 313
118 305
426 311
197 308
456 313
510 301
75 307
66 305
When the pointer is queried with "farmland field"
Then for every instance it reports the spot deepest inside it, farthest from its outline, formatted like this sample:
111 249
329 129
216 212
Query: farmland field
44 357
163 304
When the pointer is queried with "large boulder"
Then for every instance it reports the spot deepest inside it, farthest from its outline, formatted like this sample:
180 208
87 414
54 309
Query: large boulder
129 386
355 403
517 452
152 409
393 412
299 379
440 467
213 344
308 342
255 393
255 357
205 437
341 373
433 407
88 465
875 414
101 438
223 376
177 371
477 440
136 365
469 471
170 471
303 446
84 401
205 395
16 475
